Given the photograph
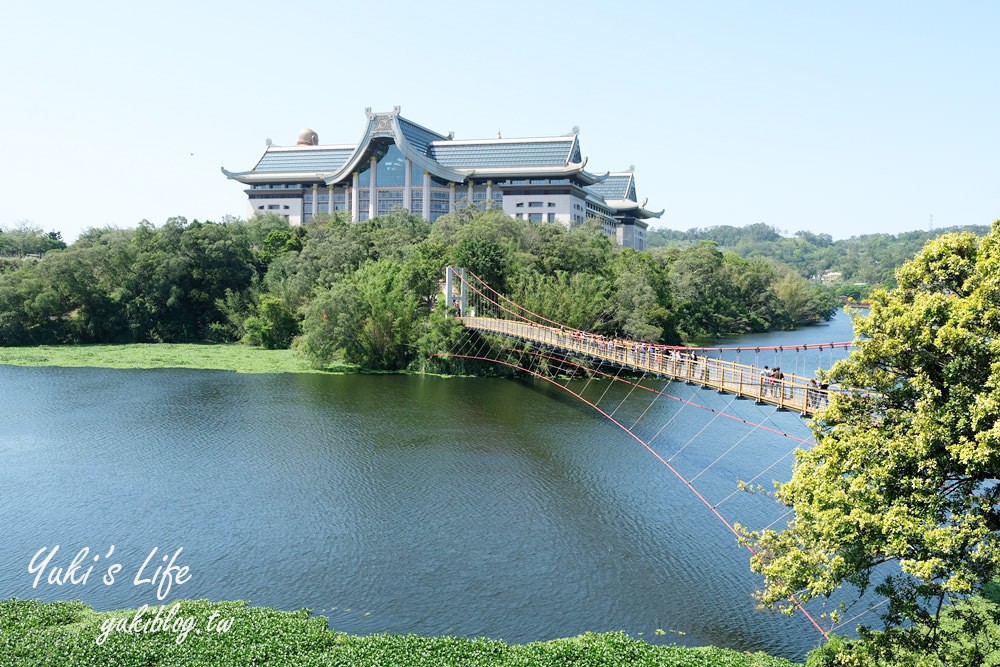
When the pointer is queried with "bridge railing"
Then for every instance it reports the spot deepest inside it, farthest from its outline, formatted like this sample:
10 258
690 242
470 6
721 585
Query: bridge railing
792 392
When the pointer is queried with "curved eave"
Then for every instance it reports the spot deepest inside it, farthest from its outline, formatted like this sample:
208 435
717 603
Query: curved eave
571 169
249 177
421 159
635 208
592 179
364 149
361 149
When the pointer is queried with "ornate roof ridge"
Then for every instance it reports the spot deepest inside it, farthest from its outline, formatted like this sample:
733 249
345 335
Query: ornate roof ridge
513 140
286 149
443 137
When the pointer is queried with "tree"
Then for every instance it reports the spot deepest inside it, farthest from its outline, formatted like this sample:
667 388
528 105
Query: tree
704 294
273 326
368 319
26 239
905 472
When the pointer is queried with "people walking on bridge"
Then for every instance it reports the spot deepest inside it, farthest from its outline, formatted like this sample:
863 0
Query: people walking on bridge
812 394
777 382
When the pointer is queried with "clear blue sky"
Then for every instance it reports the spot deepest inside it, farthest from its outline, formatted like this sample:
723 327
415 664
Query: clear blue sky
845 118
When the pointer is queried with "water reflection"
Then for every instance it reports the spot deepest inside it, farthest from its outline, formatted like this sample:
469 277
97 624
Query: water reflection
477 507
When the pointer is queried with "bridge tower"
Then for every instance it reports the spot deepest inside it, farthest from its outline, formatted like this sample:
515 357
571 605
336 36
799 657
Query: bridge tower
458 299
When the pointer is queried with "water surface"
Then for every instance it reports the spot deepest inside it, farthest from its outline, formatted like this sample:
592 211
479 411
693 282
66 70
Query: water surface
477 507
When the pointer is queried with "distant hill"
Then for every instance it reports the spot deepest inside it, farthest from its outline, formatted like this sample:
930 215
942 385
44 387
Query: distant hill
861 261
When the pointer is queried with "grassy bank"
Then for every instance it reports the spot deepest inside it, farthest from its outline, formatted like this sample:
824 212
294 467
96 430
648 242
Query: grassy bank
239 358
71 633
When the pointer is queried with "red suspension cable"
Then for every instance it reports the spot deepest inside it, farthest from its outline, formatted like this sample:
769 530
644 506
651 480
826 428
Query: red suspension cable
658 457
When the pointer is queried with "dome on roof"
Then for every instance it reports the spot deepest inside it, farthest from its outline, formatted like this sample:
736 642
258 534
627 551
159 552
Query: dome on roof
307 138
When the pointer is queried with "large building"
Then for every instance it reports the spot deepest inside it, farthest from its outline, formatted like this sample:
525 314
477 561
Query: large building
398 163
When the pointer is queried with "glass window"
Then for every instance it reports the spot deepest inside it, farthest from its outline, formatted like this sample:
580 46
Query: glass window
391 167
364 178
552 204
519 204
439 203
535 217
388 200
552 217
535 204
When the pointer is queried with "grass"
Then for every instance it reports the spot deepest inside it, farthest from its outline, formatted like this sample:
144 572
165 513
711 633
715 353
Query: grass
232 357
53 634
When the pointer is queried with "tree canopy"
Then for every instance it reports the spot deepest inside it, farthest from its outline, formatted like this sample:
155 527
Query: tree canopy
901 492
367 291
862 262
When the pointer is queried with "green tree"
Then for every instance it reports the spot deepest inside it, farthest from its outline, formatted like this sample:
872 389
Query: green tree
580 300
368 319
698 280
906 471
26 239
273 326
643 306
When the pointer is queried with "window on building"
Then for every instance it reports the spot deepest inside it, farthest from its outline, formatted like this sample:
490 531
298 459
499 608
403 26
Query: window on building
519 204
519 216
552 217
552 204
535 217
535 204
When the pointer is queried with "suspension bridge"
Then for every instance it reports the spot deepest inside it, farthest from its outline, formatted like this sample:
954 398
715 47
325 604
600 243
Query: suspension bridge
561 356
482 309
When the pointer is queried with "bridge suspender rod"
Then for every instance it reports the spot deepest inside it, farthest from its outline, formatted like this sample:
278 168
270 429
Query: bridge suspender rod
666 463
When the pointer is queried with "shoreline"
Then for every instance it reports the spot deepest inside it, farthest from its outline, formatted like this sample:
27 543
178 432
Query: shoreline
234 357
186 632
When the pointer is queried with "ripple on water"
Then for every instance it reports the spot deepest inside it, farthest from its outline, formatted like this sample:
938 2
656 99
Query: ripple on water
466 506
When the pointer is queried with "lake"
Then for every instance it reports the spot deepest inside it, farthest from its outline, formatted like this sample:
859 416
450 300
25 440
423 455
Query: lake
401 504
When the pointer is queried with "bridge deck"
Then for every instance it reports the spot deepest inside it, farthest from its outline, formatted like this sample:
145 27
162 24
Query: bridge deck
791 393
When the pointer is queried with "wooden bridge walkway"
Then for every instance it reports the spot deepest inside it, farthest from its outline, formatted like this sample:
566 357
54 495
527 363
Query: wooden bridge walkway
793 392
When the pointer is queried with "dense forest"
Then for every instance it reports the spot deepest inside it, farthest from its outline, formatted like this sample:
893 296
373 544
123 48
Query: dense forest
862 262
366 292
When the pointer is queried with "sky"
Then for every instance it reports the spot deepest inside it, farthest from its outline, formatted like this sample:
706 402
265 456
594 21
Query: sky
843 118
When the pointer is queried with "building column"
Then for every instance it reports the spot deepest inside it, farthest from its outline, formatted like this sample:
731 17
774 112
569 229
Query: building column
354 198
489 194
406 186
372 189
315 201
426 201
330 206
451 197
470 191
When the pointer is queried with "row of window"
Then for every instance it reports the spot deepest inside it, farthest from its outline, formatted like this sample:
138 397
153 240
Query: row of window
535 204
536 217
535 181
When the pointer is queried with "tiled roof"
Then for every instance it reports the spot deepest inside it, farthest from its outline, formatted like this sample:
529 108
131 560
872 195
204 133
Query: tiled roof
615 187
502 153
315 160
417 136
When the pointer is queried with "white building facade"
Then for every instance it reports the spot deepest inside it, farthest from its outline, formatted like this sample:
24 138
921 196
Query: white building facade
399 164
